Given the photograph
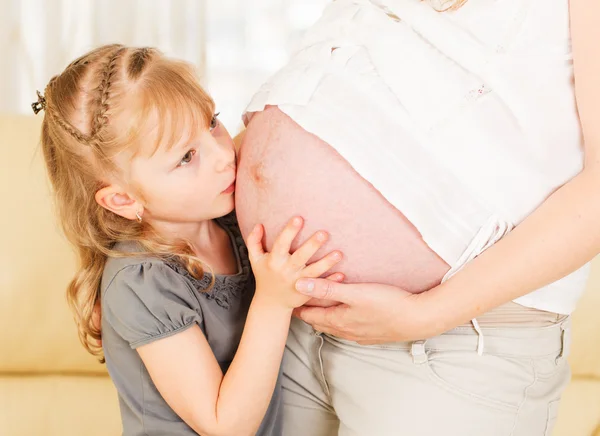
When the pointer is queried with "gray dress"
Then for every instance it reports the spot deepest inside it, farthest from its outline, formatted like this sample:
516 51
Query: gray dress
145 299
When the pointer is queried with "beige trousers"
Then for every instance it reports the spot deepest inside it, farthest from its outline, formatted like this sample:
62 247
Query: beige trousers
439 386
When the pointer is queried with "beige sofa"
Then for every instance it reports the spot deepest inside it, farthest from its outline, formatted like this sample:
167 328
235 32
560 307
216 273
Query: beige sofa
49 386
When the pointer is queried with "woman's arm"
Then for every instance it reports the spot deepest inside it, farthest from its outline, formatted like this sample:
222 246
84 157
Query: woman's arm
556 239
185 370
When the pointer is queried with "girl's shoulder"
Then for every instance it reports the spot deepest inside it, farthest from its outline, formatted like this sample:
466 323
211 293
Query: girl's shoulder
136 272
143 299
133 257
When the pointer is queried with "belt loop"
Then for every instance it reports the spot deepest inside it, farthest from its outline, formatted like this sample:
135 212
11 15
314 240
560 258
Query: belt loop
565 339
417 350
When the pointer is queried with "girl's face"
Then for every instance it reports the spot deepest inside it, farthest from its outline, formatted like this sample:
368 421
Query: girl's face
191 181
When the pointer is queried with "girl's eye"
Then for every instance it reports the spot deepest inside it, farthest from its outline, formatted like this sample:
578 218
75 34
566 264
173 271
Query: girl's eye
214 122
187 158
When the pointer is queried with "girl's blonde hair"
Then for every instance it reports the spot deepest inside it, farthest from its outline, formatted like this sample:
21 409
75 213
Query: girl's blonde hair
104 104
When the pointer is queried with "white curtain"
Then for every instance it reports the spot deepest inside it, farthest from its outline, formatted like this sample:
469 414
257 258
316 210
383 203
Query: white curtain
235 44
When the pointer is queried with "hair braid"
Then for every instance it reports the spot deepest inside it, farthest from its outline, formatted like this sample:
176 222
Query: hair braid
53 113
100 119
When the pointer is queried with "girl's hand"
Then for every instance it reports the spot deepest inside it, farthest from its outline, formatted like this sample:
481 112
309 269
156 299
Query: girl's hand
276 272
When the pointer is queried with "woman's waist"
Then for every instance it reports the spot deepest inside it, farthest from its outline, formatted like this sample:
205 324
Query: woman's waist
513 314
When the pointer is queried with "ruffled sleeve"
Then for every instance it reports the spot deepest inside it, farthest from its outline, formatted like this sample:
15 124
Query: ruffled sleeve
149 301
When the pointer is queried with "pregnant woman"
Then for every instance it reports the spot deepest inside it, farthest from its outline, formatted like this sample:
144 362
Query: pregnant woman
440 145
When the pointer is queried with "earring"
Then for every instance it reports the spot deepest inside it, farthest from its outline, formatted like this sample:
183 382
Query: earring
138 216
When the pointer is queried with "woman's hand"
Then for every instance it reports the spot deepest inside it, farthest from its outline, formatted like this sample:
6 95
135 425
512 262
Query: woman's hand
277 271
369 313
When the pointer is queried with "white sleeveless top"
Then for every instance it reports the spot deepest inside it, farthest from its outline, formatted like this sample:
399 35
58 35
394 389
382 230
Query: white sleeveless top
465 121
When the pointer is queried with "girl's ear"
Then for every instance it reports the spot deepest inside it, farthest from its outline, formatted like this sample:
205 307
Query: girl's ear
117 200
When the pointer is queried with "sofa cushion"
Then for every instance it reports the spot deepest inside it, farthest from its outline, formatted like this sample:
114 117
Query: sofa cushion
59 405
37 332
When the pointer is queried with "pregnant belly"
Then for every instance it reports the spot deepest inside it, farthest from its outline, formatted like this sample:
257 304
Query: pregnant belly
285 171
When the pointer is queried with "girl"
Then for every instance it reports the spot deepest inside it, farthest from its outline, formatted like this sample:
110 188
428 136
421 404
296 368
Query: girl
144 178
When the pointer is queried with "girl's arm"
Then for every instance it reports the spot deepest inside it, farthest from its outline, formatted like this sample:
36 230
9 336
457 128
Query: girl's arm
187 375
186 372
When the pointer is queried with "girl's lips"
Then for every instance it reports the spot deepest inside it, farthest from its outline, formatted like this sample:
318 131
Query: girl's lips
229 189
